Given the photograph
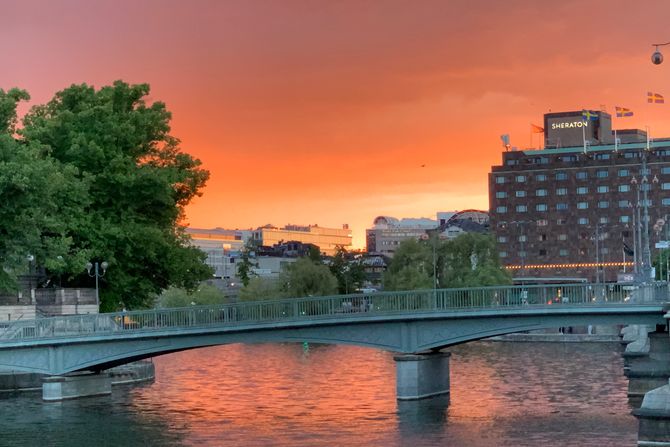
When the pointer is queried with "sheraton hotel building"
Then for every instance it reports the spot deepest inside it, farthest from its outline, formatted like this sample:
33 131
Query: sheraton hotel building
575 209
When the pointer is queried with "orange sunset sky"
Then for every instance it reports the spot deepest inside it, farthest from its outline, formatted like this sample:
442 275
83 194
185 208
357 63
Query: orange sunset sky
323 112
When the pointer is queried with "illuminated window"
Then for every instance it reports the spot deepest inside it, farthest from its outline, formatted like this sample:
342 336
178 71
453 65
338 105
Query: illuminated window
521 194
501 194
502 254
582 175
520 178
523 238
601 173
624 219
624 188
561 175
521 208
665 170
583 221
562 252
541 207
665 201
563 237
603 204
561 191
561 206
501 209
500 179
603 189
540 177
604 220
665 186
502 239
624 172
582 190
541 192
582 205
624 204
603 156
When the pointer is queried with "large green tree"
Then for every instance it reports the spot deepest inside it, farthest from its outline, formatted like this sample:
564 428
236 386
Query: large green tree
39 200
470 260
137 181
347 269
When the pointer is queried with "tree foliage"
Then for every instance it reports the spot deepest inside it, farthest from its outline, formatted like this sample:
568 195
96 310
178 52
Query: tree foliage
247 262
204 295
105 180
470 260
348 271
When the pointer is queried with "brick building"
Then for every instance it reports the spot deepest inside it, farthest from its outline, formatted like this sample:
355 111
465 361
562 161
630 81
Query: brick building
577 212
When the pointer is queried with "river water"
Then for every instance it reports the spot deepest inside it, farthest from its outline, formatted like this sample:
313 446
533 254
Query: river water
502 394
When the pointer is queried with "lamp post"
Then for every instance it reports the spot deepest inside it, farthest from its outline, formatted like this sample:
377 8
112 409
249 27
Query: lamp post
96 273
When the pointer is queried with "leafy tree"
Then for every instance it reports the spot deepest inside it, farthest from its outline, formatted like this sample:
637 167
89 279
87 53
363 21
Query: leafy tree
306 278
470 260
259 289
39 200
135 181
205 294
348 271
247 262
411 267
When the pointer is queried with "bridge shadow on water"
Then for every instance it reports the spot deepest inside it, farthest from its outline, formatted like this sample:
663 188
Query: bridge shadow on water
417 417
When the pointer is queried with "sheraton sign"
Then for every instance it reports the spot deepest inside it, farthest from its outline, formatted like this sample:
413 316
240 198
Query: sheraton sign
569 125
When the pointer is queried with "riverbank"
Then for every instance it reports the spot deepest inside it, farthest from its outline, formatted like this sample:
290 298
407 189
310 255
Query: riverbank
136 372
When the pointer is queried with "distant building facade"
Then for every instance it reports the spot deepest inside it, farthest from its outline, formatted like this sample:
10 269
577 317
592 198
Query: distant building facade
387 232
327 239
222 248
574 212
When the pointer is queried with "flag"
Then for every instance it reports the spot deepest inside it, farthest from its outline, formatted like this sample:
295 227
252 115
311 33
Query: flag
622 112
589 115
536 129
655 98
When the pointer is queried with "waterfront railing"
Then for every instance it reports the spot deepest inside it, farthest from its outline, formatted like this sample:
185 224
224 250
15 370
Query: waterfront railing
342 307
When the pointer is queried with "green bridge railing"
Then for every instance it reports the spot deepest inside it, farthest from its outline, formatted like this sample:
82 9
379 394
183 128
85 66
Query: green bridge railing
342 307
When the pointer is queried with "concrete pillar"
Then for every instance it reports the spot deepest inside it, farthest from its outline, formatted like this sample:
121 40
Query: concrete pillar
422 375
55 388
654 418
646 364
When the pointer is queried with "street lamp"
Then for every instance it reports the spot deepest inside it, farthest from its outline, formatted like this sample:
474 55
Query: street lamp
96 273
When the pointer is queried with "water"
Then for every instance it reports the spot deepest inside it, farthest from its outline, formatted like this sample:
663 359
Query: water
502 394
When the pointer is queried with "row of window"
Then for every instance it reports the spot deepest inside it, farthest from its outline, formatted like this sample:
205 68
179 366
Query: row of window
580 190
574 158
561 237
561 252
564 206
579 175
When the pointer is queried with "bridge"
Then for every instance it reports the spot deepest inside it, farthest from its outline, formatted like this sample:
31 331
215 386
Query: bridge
415 323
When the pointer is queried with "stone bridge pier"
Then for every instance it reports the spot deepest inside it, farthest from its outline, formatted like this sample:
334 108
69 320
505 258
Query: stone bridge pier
419 376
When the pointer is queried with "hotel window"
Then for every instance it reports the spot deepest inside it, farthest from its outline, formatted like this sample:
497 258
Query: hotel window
582 190
542 252
502 239
665 201
630 154
541 207
604 250
562 237
561 221
502 254
582 205
500 180
665 170
501 209
561 206
523 238
541 177
501 194
624 203
541 192
665 185
561 175
542 222
521 208
646 171
520 178
624 219
603 189
561 191
568 158
645 187
583 221
624 172
581 175
541 237
648 202
601 173
624 188
522 254
520 193
603 204
604 220
562 252
603 156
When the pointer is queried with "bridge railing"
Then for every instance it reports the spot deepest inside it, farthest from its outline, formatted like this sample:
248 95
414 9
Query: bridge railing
331 307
